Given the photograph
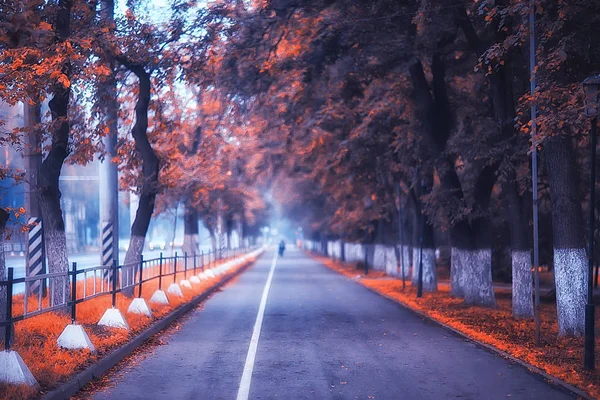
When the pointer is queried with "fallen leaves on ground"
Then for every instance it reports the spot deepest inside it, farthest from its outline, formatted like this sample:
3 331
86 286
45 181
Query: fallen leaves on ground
35 338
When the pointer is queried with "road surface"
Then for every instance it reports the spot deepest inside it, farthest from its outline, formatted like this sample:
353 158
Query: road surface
293 329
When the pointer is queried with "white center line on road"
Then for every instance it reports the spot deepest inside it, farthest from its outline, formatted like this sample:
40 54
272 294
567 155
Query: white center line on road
244 390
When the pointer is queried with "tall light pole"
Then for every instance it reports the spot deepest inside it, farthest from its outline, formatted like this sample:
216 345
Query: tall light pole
591 88
534 174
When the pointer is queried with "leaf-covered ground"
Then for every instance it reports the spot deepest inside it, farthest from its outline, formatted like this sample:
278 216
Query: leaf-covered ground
35 338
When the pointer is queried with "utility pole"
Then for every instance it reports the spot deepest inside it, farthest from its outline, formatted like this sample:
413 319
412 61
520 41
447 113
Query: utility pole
534 174
109 174
36 247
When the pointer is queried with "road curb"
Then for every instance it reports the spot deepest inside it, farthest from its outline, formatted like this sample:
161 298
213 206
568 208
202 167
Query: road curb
71 387
564 386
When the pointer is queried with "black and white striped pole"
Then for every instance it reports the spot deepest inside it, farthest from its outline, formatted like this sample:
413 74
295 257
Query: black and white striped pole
36 257
108 247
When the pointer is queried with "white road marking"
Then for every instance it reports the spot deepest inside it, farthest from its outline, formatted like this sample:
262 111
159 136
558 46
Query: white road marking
244 390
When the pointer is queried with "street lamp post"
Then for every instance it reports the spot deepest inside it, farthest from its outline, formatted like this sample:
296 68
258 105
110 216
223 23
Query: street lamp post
591 88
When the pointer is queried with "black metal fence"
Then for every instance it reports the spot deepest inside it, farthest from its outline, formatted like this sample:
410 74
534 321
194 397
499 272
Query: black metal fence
129 277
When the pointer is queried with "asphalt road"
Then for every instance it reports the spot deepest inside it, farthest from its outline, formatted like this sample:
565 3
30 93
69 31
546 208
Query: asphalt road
321 337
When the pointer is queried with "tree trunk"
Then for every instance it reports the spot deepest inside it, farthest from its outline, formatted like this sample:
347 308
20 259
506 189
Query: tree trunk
471 245
472 254
429 262
3 271
213 239
522 279
150 168
190 227
570 260
54 226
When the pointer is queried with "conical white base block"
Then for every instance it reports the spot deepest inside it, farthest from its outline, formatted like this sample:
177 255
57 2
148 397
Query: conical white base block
202 276
175 290
194 279
114 319
74 337
13 369
139 306
159 297
210 273
185 283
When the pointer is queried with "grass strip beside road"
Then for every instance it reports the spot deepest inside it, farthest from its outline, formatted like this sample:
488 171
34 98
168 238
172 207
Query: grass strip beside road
35 338
561 357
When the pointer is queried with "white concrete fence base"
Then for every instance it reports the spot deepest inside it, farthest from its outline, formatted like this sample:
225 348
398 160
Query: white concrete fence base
113 319
73 337
210 273
13 369
175 290
185 283
194 280
159 297
139 306
202 276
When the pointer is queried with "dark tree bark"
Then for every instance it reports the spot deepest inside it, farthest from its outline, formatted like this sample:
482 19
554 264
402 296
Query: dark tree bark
150 168
3 271
190 230
471 275
570 259
54 226
503 102
522 279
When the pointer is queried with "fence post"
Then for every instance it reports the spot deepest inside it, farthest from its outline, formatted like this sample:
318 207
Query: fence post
185 257
74 293
9 300
202 259
195 263
114 284
141 276
175 269
160 274
366 259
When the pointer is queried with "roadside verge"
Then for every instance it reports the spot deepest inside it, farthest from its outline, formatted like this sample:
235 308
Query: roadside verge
110 359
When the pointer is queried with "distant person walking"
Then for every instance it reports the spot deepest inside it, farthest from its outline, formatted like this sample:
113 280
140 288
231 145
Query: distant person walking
281 248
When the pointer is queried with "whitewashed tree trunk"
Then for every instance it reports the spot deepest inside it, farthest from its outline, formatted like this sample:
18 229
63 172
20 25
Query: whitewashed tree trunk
522 284
568 235
56 251
458 258
477 285
190 244
570 275
213 240
415 267
429 271
131 262
405 268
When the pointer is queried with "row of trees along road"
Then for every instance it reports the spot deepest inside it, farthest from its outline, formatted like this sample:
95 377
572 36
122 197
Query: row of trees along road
145 73
353 112
354 99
